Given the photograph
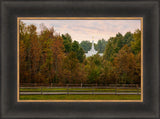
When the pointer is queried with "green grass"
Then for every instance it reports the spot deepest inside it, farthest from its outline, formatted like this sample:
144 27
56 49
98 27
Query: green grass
80 97
76 89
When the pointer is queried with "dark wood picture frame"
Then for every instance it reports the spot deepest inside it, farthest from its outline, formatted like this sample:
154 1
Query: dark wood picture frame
11 9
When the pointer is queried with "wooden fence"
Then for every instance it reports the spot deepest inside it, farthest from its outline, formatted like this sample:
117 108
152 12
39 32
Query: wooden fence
79 89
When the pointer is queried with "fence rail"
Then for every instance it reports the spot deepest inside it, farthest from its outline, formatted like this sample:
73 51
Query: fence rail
81 90
78 85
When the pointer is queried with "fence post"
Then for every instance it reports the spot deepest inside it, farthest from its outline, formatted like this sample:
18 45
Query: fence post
41 91
137 90
92 90
67 89
115 89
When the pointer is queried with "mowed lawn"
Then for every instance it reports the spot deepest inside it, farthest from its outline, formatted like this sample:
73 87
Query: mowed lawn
77 89
80 97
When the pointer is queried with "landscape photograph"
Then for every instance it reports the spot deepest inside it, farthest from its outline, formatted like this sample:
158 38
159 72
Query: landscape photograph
80 59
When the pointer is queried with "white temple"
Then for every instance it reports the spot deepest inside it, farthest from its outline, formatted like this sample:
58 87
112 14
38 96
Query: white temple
92 51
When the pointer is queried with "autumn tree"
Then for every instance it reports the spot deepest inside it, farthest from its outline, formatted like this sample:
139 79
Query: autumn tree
22 52
58 56
108 73
136 43
67 42
93 68
125 64
34 54
46 40
100 46
72 67
127 39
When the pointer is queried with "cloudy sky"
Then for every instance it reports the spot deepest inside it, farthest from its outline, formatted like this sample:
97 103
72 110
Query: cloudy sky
89 29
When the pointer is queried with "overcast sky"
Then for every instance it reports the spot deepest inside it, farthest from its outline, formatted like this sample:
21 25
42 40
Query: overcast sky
88 29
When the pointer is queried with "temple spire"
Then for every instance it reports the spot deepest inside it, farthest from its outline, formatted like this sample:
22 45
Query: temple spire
92 51
92 44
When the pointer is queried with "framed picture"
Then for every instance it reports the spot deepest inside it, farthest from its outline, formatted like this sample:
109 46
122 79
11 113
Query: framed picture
66 68
80 59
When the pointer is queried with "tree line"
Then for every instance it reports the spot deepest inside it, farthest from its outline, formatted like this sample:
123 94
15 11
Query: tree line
48 57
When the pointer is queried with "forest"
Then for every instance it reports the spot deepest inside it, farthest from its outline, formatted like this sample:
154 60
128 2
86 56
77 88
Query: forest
48 57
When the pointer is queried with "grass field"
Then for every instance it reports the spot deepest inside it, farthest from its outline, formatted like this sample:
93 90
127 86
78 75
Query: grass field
80 97
76 89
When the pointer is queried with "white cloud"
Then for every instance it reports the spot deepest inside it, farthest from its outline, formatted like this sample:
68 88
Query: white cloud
86 29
